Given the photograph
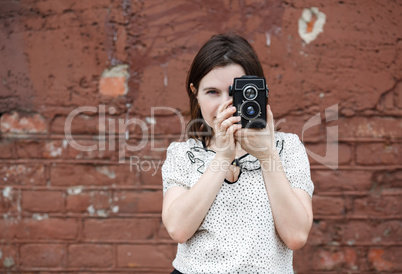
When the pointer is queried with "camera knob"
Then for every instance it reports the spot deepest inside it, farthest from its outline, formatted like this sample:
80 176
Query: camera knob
266 90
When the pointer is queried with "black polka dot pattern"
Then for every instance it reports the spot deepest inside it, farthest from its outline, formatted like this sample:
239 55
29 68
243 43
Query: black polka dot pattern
238 233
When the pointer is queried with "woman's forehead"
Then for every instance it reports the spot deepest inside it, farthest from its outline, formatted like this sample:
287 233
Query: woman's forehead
221 76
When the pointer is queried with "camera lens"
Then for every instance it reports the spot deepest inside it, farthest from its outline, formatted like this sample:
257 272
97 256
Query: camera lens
250 92
250 110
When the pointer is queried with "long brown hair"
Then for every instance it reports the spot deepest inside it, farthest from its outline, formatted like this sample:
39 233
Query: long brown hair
219 51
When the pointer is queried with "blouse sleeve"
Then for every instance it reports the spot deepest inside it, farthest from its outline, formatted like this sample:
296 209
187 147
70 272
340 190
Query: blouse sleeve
296 164
175 171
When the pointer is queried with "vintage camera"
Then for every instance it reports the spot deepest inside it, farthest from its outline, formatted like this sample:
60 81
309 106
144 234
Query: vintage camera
250 95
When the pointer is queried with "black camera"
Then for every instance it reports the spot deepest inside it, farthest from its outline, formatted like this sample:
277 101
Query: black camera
250 95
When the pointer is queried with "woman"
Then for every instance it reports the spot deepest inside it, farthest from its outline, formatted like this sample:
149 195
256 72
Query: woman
245 217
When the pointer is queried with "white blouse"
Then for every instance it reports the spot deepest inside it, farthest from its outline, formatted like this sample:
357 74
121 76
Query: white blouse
238 233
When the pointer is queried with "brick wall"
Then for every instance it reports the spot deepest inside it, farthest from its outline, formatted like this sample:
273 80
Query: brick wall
96 208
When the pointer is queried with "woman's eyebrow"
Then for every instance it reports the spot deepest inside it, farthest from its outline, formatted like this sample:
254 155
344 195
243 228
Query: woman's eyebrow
207 88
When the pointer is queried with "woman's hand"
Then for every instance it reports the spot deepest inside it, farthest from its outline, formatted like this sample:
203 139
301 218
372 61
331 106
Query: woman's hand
225 126
259 142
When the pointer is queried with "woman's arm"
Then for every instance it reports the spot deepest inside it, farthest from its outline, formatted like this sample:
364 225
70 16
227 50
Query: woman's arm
291 208
184 210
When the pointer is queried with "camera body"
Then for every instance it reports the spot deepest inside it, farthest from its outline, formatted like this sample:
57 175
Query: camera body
250 95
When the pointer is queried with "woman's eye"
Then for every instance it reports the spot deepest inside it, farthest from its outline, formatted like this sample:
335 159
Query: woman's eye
212 92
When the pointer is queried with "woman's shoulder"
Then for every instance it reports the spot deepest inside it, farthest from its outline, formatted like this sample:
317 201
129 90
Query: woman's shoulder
287 140
285 136
184 145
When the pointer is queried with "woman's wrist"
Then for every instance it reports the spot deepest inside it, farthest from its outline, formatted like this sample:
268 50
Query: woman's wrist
268 155
221 163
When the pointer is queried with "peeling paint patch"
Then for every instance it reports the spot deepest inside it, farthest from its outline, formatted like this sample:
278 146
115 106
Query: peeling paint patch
102 213
91 210
115 209
39 217
150 120
8 262
75 190
54 151
311 24
165 77
7 192
105 171
16 122
267 39
114 81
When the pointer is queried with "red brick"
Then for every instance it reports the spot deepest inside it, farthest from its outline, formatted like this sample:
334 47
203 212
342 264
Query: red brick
114 229
29 148
78 203
107 175
296 124
90 122
154 149
373 233
31 229
324 205
42 201
341 180
336 259
139 202
152 177
354 232
388 179
312 259
106 154
81 124
370 127
97 200
6 149
145 255
376 206
22 174
17 122
90 255
162 233
375 154
398 95
385 259
326 152
42 255
101 199
324 232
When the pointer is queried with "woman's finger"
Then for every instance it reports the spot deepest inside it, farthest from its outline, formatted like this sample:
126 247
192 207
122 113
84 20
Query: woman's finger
233 129
270 117
225 114
223 106
229 121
